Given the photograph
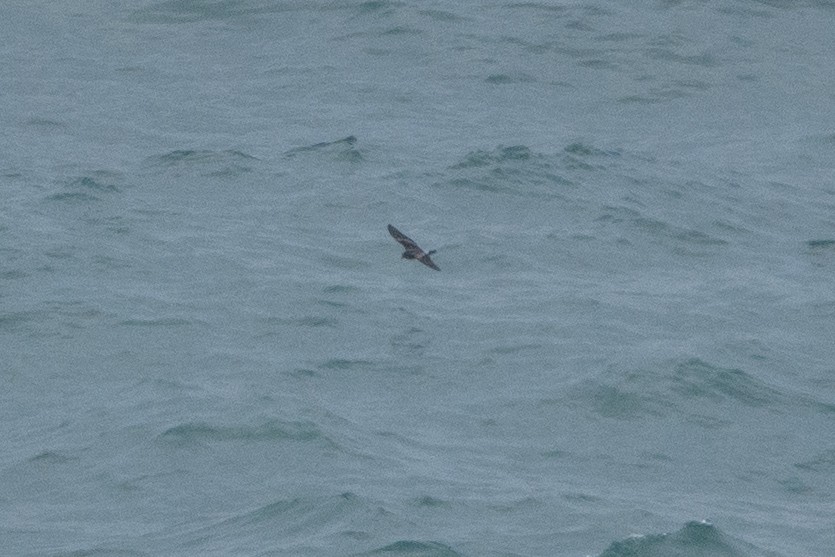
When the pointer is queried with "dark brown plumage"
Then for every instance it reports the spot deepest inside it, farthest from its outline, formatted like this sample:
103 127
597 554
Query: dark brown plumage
413 251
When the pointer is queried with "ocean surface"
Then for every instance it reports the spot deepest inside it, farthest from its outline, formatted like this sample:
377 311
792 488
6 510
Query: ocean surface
210 345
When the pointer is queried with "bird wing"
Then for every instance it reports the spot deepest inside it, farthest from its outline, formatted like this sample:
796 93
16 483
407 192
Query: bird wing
428 262
407 242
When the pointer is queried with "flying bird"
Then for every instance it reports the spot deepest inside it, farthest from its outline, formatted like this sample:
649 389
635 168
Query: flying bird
413 251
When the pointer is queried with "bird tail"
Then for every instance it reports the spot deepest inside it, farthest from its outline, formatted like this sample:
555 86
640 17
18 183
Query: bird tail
430 252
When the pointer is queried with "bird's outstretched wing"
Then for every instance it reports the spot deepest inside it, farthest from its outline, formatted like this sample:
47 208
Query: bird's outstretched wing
407 242
428 262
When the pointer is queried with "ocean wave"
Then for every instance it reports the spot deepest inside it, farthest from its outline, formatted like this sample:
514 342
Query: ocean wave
51 457
91 183
497 156
86 188
340 150
640 207
307 321
617 401
228 163
822 462
272 430
158 322
101 551
343 364
72 197
16 319
820 245
171 12
506 78
288 524
411 548
697 379
513 170
682 240
695 539
13 274
684 388
295 512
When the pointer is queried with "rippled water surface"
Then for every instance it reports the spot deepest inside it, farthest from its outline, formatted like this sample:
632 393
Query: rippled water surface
211 346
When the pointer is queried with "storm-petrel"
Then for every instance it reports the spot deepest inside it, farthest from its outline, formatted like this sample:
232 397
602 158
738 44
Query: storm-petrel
413 251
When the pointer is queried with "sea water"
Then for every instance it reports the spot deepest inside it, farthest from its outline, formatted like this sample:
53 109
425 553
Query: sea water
209 344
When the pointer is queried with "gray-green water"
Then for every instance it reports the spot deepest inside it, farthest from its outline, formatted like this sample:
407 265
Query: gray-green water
209 344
